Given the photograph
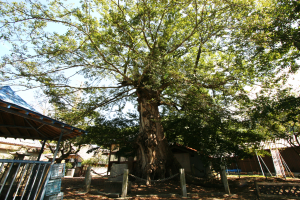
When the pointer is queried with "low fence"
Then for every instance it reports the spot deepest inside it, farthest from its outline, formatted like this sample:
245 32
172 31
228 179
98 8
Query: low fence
181 173
275 190
263 189
22 179
102 174
126 174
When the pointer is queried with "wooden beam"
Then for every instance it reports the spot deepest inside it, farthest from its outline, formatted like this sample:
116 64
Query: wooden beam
33 118
13 126
35 128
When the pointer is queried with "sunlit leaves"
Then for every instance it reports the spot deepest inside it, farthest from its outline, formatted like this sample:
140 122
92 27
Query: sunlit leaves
108 49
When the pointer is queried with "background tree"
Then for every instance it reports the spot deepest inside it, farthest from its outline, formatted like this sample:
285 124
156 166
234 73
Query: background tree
152 53
278 117
284 27
273 28
66 113
212 128
121 130
67 147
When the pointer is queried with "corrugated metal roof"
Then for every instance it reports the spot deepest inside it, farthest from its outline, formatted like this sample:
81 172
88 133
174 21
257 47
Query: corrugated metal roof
8 95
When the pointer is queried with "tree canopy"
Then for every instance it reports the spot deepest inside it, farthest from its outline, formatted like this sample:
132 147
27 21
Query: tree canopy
121 131
167 46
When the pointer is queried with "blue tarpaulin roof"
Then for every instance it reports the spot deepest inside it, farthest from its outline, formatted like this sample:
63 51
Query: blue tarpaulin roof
8 95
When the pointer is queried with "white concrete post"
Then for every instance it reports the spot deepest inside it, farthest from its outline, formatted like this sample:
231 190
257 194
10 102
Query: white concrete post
182 182
88 179
125 183
224 180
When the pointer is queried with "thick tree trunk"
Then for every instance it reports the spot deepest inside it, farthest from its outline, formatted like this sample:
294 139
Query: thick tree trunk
154 158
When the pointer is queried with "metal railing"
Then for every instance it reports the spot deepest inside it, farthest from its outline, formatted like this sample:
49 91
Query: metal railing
22 179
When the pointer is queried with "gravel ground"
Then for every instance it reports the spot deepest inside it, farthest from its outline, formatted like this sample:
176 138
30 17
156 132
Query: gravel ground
240 189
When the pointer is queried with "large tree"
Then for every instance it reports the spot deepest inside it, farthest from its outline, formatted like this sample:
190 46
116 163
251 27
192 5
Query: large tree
146 51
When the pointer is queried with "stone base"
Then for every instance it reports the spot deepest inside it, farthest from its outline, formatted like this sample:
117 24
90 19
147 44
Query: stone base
115 187
77 172
70 172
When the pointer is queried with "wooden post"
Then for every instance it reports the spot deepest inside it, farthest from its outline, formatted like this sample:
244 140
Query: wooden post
237 166
57 147
108 168
182 182
224 180
88 179
193 170
257 188
125 183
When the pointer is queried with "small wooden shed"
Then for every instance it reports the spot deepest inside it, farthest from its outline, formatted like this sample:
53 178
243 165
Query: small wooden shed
26 179
189 159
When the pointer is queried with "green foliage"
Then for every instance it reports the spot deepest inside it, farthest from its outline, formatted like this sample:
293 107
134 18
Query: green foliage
273 28
95 161
278 117
166 46
68 166
121 131
88 162
212 130
284 27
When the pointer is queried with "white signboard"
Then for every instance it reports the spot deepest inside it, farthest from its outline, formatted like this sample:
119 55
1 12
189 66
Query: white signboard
279 169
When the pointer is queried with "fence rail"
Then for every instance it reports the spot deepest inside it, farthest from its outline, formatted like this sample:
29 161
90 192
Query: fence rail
153 181
22 179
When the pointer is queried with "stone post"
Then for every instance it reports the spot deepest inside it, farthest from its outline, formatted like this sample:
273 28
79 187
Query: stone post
208 170
182 182
224 180
88 179
125 183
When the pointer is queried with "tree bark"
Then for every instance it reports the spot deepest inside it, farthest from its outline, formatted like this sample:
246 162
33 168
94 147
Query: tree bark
154 158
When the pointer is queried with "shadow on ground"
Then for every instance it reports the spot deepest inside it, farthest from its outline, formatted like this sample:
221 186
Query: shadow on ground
243 188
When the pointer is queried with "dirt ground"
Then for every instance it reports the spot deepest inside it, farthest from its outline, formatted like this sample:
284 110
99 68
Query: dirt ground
242 188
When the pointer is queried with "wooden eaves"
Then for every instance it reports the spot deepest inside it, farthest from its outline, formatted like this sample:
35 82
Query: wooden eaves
19 122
